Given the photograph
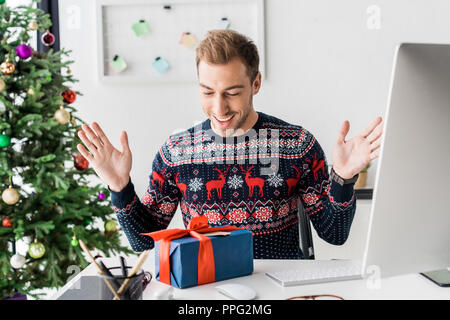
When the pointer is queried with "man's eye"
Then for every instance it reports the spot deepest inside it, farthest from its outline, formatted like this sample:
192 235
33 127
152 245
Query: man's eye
207 93
233 94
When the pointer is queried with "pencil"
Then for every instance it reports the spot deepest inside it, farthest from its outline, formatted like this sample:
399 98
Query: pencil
110 286
133 272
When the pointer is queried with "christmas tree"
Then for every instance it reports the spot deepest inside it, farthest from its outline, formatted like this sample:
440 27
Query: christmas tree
46 204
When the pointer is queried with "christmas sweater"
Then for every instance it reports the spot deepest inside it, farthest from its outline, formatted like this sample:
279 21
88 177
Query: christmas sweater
254 181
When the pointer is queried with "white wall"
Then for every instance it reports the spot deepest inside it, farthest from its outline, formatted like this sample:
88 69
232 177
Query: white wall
326 61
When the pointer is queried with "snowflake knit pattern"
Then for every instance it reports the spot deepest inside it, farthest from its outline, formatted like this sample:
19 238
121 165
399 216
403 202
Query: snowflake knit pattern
254 181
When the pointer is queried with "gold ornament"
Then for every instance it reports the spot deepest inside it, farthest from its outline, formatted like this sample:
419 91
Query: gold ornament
7 68
2 85
58 208
62 116
30 92
33 26
10 196
74 121
36 250
68 71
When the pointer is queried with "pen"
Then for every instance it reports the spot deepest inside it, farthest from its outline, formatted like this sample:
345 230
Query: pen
124 274
141 260
123 266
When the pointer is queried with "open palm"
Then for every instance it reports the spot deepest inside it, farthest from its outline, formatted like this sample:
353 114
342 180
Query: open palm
111 165
350 157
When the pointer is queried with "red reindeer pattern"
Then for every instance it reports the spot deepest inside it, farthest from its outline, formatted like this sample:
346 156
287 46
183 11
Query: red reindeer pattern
253 182
316 166
159 178
181 186
292 182
217 184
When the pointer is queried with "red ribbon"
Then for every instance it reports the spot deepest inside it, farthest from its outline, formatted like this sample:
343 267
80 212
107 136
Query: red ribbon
197 226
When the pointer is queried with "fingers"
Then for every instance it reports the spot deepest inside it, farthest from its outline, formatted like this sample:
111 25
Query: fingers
375 145
91 147
375 138
124 142
84 153
92 136
100 133
374 154
345 128
369 129
376 134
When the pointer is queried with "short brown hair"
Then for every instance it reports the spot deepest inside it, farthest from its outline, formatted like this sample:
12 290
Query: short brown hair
221 46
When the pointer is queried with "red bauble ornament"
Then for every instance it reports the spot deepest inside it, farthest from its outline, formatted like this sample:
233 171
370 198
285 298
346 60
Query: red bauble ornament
48 39
7 223
69 96
80 162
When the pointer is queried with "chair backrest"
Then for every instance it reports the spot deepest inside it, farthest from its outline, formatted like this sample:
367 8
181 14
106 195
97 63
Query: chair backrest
306 240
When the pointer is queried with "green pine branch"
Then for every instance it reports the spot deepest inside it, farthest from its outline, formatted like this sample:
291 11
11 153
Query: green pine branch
57 201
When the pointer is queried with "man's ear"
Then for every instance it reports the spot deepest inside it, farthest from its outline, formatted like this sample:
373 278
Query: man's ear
257 83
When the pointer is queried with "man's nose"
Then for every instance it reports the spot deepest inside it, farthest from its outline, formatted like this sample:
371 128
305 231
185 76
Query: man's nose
220 106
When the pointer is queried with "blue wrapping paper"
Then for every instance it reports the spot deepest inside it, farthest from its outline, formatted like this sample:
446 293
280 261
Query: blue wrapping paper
233 257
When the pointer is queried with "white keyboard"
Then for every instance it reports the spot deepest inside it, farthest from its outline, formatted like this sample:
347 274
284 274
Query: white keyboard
317 272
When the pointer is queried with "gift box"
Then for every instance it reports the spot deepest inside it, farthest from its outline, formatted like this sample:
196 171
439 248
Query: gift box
197 258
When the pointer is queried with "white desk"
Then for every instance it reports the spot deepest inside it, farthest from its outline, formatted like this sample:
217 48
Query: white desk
411 286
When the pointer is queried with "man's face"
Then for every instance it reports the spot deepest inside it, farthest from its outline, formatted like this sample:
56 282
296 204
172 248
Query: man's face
226 95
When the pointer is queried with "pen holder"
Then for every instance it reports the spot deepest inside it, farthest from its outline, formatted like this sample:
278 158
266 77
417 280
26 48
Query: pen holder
136 285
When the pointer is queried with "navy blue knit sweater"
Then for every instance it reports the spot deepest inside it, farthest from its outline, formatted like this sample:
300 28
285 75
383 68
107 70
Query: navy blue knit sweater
253 181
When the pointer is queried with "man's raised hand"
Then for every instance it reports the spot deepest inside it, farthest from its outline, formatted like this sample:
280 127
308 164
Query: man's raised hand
351 156
112 166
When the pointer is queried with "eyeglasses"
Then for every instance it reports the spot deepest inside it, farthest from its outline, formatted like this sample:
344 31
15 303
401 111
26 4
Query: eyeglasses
317 297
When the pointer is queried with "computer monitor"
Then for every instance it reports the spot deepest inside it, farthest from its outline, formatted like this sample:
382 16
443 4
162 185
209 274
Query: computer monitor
409 228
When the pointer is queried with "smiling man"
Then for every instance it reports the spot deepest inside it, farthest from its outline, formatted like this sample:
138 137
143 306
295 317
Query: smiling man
229 108
216 168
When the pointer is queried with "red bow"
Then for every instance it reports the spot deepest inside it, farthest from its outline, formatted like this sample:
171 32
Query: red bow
197 226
